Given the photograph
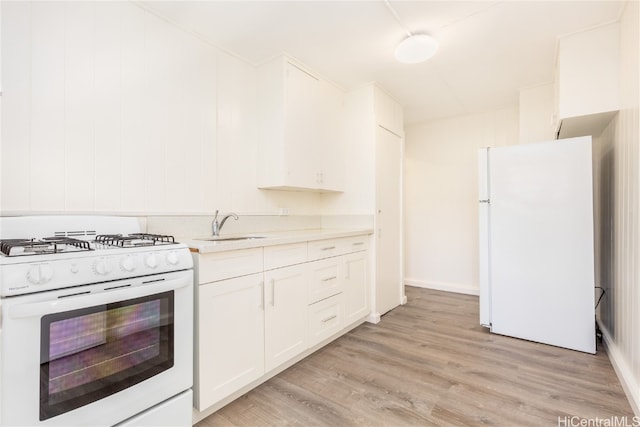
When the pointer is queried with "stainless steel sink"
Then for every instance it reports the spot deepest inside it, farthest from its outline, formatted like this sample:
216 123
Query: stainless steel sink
230 239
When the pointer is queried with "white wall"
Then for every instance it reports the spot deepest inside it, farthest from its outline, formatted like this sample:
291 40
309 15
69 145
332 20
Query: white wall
108 108
441 203
617 183
536 111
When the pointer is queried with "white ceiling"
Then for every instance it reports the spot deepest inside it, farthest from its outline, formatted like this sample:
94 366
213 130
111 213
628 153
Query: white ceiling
488 49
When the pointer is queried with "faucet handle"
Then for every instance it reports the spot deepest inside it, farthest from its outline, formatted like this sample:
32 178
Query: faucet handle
216 216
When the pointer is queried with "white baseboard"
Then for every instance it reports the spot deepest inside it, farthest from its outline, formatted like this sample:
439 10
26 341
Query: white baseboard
623 370
442 286
373 317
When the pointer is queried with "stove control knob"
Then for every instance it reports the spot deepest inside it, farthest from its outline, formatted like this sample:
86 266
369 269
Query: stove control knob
74 268
151 261
39 274
128 264
47 273
102 267
172 258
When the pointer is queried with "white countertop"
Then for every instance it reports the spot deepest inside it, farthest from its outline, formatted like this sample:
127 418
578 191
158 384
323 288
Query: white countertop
267 239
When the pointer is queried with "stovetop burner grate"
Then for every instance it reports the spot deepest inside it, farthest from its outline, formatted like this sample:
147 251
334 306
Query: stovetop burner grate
134 239
47 245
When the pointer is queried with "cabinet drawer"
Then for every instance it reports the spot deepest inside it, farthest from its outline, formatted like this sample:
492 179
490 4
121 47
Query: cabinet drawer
324 249
225 265
332 247
355 244
324 279
284 255
325 319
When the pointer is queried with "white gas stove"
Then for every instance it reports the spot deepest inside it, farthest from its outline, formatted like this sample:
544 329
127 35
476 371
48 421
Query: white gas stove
96 323
50 252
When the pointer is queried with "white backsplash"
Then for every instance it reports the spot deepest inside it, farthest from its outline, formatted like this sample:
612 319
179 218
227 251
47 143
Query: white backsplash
200 225
347 221
190 226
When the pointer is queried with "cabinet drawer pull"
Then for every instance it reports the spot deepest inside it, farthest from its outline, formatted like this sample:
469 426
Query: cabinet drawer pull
328 248
328 279
358 244
329 318
273 292
261 301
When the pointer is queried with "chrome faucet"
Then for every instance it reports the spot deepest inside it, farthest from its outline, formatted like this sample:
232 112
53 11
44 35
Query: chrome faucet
217 226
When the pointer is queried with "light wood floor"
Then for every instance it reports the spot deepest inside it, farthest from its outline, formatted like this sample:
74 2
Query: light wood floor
430 363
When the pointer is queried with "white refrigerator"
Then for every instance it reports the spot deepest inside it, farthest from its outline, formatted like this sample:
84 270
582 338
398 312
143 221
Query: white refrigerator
537 244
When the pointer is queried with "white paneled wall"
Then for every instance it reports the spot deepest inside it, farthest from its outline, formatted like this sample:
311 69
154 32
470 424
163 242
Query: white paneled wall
108 108
617 167
105 108
441 202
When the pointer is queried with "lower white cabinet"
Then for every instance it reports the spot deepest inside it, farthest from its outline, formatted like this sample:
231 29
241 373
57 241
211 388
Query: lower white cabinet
255 313
230 337
285 314
355 288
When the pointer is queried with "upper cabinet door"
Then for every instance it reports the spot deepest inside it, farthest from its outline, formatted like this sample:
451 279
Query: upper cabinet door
299 129
330 146
301 120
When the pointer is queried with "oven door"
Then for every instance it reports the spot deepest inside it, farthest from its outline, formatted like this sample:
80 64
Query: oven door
98 354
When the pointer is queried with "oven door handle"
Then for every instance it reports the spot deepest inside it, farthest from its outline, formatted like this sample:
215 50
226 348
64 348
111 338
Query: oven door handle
75 302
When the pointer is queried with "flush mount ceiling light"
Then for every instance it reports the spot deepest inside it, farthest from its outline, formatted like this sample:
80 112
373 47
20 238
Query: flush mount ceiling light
416 47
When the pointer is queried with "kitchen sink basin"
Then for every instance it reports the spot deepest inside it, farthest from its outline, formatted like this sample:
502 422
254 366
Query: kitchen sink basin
230 239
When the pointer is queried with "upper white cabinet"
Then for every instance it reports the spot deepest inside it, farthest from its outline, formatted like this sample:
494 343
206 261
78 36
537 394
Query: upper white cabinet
587 81
299 129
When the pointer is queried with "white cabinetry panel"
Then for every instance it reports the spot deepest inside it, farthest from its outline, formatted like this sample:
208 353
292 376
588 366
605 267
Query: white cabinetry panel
251 320
230 337
285 314
355 286
301 124
300 129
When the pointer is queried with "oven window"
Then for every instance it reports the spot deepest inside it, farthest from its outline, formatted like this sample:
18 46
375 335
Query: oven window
92 353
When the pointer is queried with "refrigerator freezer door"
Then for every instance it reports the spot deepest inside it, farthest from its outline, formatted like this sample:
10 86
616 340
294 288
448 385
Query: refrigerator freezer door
541 242
483 235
